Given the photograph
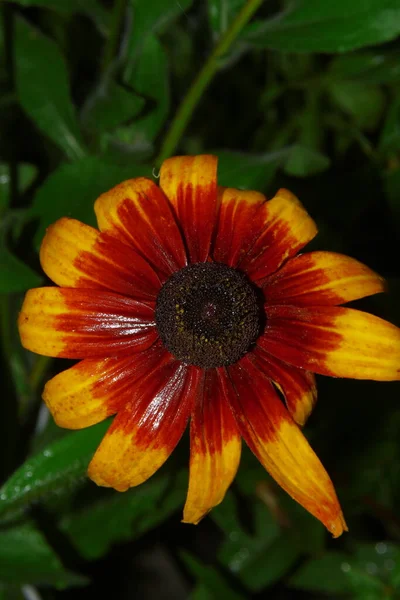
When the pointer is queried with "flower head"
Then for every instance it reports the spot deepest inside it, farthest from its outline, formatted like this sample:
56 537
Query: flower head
192 302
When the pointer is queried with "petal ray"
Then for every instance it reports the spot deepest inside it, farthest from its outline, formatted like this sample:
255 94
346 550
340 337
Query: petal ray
76 255
239 221
297 385
332 340
138 213
146 431
321 278
279 444
287 228
74 323
95 389
215 446
190 183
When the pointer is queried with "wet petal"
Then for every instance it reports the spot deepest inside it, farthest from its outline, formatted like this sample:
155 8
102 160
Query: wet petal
190 183
335 341
287 228
94 389
76 255
238 224
138 213
215 447
72 323
321 278
297 386
146 431
279 444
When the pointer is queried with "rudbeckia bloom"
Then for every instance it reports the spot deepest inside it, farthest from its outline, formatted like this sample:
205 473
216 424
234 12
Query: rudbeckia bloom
193 302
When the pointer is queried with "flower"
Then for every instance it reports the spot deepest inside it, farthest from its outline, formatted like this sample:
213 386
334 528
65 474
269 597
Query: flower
193 302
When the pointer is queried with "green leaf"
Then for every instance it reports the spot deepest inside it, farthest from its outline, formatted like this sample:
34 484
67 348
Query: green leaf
325 574
221 13
111 105
75 187
149 78
369 66
92 8
303 161
43 89
315 26
249 171
257 560
147 21
362 102
26 175
127 515
209 577
15 275
26 557
61 465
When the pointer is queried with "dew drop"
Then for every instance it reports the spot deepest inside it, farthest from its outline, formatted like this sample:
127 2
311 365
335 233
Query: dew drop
346 568
381 547
371 568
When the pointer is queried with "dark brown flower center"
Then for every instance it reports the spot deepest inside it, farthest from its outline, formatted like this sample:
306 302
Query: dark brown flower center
207 315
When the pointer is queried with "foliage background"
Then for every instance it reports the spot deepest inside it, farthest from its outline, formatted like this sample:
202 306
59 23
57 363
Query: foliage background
308 97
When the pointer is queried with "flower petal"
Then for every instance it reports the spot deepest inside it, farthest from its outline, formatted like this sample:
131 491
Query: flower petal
215 446
287 228
146 431
333 340
190 183
321 278
138 213
239 222
297 385
95 389
76 255
72 323
279 444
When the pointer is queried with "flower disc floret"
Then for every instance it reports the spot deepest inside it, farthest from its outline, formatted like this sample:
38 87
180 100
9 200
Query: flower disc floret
207 315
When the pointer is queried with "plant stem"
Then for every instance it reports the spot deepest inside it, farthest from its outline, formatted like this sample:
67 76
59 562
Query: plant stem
203 80
111 46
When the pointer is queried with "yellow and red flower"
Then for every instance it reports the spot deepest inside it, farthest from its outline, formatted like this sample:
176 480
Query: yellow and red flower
192 302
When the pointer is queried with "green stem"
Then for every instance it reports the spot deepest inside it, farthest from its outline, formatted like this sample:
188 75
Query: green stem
110 49
38 372
203 80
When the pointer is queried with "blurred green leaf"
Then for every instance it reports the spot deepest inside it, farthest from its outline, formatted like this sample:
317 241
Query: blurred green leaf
26 174
149 78
249 171
146 20
61 465
258 559
364 103
315 26
43 89
15 275
26 557
210 579
75 187
303 161
368 66
109 106
221 14
127 515
91 8
325 574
